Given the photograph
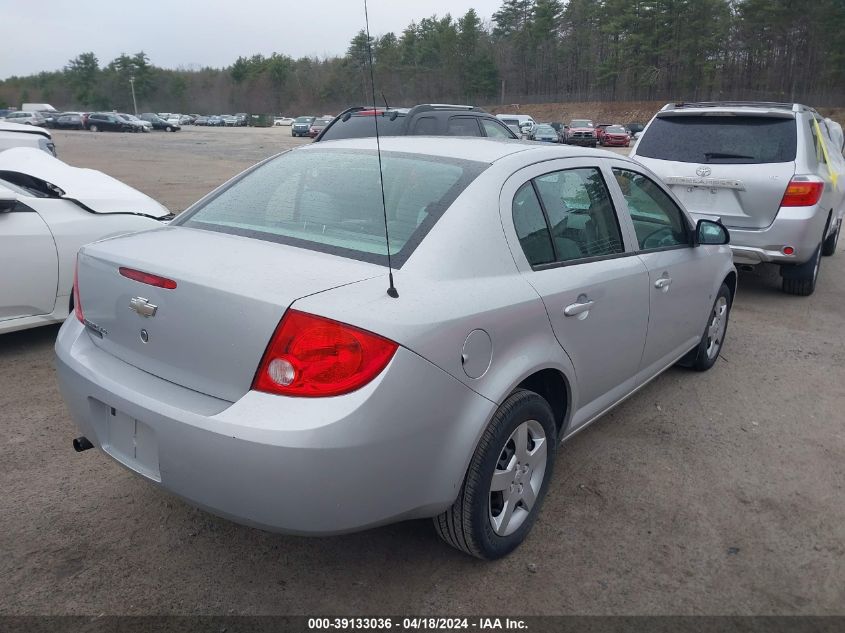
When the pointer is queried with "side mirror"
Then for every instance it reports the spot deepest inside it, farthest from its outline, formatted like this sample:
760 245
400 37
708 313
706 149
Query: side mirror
710 232
8 201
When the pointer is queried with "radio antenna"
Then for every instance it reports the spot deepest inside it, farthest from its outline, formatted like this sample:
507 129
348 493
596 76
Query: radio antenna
391 289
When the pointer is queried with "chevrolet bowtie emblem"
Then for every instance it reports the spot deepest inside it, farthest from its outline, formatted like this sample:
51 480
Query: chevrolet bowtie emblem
142 307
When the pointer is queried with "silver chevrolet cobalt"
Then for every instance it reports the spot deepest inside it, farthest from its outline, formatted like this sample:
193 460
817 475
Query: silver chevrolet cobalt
249 358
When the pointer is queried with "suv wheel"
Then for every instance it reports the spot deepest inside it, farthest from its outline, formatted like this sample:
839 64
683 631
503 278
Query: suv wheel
829 245
800 280
94 128
506 480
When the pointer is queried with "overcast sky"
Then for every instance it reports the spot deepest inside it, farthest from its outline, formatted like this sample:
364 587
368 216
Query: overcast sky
177 33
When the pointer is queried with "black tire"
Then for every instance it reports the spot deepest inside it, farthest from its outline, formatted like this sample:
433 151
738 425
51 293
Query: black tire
829 245
801 280
699 357
467 525
168 129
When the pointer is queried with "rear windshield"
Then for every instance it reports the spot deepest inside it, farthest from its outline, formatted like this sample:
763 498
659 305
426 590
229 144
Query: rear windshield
329 200
720 139
364 126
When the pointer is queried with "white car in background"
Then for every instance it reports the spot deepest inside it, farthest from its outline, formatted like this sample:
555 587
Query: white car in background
282 120
19 135
48 210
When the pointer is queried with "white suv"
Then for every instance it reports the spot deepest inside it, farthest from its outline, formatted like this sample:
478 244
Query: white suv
773 173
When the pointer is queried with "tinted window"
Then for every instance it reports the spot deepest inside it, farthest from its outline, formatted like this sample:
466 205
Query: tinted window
494 129
720 139
364 126
658 221
531 227
581 215
330 201
463 126
424 125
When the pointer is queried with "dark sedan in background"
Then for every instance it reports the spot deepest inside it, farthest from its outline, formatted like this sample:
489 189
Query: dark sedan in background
302 125
108 122
159 123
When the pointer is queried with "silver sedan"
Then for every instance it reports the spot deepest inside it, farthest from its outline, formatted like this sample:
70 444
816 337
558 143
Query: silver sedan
257 358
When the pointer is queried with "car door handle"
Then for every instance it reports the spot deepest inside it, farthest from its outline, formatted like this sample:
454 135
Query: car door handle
663 283
575 309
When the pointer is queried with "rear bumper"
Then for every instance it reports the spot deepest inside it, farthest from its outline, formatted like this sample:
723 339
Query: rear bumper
798 227
395 449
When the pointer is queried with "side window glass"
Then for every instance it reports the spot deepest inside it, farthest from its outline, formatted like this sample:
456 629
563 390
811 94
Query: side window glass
463 126
425 125
531 228
581 215
817 141
658 221
494 129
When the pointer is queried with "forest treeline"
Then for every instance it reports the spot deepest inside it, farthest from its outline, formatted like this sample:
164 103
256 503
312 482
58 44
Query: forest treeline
531 51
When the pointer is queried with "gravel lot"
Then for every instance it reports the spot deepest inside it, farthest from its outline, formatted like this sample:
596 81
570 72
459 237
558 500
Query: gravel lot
716 493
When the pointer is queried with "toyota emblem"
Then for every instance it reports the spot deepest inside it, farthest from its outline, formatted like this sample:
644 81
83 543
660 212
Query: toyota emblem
703 171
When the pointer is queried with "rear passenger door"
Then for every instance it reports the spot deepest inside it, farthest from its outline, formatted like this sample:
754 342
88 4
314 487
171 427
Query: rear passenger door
680 275
567 241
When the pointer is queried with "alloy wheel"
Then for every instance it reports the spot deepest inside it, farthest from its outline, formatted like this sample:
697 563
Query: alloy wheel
716 329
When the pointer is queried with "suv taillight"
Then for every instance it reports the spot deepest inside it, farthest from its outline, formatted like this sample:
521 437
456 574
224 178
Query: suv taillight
77 303
311 356
802 193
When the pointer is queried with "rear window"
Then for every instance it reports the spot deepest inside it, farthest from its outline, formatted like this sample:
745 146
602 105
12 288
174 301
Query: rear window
364 126
329 200
720 139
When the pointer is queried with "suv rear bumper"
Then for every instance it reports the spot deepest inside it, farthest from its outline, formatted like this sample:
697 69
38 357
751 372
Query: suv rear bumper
798 227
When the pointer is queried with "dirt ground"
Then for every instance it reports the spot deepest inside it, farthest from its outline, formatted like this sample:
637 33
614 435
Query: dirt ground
714 493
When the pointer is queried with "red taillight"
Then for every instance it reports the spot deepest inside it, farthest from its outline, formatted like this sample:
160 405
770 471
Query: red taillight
147 278
802 193
312 356
77 303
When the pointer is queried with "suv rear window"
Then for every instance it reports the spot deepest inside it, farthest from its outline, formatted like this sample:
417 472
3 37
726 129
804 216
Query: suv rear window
329 200
364 126
720 139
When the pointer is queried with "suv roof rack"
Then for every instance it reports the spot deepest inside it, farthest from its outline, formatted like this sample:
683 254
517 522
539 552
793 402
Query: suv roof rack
794 107
428 107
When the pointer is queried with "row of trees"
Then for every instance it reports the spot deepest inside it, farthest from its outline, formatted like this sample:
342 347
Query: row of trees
531 51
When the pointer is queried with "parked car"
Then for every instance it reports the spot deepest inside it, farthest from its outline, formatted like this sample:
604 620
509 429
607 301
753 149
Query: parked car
634 129
250 393
545 133
47 211
138 125
301 125
614 136
524 122
769 171
158 123
242 118
318 126
69 121
581 132
282 120
108 122
424 119
216 121
600 130
201 120
229 120
20 135
26 118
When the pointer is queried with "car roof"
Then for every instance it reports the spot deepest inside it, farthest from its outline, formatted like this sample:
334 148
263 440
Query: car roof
24 129
485 150
785 110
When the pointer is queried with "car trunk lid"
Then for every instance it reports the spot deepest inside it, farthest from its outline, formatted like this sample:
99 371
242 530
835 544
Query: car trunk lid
210 331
